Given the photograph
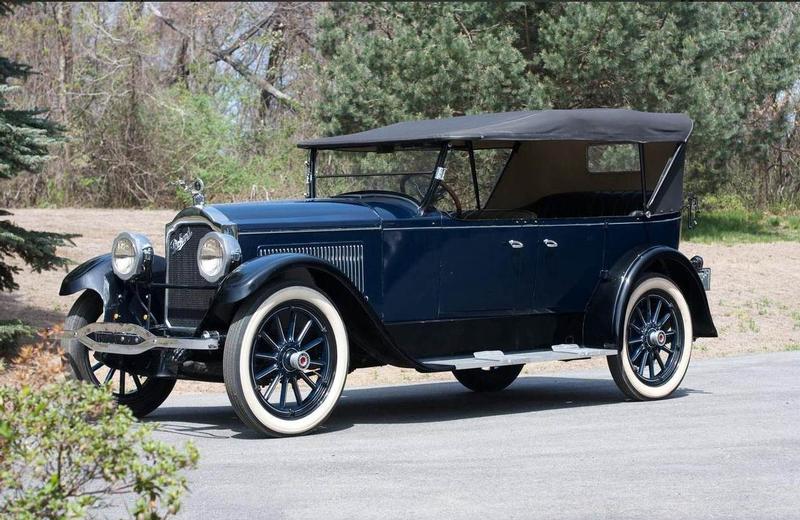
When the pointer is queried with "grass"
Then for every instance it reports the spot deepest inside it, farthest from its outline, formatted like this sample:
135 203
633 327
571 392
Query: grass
746 322
732 226
762 306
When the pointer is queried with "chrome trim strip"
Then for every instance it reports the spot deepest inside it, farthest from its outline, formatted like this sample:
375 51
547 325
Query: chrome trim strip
208 213
347 257
319 230
538 223
445 226
187 220
525 223
218 217
610 222
151 341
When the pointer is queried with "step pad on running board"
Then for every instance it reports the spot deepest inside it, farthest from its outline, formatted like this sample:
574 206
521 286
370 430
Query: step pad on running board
494 358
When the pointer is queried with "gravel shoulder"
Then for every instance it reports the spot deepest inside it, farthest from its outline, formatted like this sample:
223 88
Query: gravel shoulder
753 298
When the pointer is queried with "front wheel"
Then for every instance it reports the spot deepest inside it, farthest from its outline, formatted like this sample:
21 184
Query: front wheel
285 361
657 341
139 393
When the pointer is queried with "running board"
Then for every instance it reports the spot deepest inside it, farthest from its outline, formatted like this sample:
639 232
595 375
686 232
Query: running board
496 358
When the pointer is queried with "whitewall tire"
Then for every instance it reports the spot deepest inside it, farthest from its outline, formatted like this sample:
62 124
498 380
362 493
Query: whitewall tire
286 360
657 341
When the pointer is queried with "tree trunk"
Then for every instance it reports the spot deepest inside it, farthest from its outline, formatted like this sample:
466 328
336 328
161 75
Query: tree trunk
277 56
63 16
181 71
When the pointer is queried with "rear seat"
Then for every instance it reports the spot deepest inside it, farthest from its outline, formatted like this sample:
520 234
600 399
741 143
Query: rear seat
588 204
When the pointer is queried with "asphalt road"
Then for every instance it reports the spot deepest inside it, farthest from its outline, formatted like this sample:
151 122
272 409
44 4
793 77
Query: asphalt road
727 445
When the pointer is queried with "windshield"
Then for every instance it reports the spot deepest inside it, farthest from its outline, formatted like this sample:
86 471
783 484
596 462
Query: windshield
406 172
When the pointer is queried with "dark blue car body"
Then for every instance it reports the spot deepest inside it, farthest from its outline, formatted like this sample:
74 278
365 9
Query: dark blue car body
415 283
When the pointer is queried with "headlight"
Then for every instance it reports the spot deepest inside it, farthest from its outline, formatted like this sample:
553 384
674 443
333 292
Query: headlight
131 254
215 255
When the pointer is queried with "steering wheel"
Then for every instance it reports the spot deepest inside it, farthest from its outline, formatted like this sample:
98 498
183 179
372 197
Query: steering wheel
448 189
456 200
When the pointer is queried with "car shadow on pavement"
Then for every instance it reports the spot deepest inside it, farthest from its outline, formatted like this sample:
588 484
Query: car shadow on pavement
413 403
201 421
436 402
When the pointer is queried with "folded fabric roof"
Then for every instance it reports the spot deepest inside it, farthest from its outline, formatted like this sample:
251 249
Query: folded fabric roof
588 124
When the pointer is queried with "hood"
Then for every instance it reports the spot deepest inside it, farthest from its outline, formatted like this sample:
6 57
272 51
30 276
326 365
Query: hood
296 215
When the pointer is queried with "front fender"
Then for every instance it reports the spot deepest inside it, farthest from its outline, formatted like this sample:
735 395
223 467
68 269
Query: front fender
364 326
605 313
94 275
250 277
97 275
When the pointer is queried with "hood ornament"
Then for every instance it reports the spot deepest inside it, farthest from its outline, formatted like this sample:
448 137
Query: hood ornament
195 188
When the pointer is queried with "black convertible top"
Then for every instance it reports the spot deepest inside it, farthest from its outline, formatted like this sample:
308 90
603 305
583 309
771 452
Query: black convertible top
588 124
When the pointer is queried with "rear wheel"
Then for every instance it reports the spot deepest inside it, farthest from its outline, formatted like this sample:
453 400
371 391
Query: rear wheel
139 393
491 379
657 341
285 361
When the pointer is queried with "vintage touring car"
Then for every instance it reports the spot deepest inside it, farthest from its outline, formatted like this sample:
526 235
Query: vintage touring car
473 244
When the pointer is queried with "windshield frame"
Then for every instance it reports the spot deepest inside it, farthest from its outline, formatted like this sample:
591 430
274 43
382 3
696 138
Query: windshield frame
436 176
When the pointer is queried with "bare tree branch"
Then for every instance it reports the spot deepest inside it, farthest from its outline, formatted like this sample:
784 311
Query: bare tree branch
242 39
235 64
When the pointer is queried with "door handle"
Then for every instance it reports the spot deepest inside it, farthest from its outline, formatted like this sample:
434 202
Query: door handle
516 244
550 243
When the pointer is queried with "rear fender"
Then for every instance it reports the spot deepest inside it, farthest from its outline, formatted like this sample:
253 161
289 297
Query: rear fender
364 327
605 313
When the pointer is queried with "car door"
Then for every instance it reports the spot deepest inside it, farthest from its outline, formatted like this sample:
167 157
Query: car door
568 265
485 268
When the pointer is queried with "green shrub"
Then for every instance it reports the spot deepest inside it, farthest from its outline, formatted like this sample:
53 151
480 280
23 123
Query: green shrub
723 202
68 449
196 138
10 332
738 225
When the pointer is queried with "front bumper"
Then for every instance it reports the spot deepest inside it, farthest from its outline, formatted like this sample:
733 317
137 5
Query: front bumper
130 339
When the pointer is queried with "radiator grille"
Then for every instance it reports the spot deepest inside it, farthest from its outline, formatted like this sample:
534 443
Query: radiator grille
186 307
348 258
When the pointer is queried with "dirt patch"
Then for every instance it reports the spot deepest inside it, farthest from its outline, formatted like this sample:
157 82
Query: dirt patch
753 298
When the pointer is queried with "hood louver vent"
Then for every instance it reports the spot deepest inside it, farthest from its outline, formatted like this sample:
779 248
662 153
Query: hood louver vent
348 258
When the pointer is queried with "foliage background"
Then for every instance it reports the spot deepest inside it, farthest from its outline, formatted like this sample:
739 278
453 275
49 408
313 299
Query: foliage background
153 92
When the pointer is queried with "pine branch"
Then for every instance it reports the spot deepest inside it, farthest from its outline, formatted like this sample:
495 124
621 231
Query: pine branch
36 248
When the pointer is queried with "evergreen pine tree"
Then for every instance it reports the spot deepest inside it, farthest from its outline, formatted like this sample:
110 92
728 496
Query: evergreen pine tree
24 139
